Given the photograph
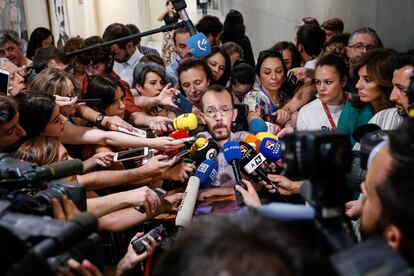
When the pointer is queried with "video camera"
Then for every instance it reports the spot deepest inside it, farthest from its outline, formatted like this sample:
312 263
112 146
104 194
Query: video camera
38 245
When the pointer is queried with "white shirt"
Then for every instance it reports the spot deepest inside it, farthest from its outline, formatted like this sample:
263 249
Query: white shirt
312 116
125 70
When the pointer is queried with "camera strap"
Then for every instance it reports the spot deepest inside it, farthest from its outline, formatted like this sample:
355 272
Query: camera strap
329 115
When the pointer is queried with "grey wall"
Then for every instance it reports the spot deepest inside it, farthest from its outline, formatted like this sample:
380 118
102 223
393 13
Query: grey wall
270 21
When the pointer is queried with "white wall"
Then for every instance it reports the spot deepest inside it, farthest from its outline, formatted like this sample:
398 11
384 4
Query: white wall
270 21
37 14
85 23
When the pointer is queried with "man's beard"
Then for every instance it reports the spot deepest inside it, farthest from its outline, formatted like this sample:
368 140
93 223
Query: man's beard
401 110
223 135
125 59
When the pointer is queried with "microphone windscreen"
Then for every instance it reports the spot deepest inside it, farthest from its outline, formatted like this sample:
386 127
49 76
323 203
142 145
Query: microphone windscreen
198 143
199 46
187 121
178 134
286 211
232 151
262 135
271 149
252 141
186 208
209 151
257 125
206 172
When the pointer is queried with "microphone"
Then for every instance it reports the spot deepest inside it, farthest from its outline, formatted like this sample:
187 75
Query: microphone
187 121
271 149
262 135
250 163
204 175
198 143
210 150
257 125
232 154
198 43
178 134
252 141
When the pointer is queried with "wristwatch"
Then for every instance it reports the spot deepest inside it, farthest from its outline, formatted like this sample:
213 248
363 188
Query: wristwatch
99 119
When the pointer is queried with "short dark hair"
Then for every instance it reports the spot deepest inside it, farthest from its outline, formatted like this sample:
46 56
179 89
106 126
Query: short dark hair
153 58
404 59
311 37
134 30
99 55
115 31
8 109
216 88
44 55
179 31
309 20
242 73
334 25
230 245
142 69
36 103
189 63
287 45
227 69
337 62
102 87
209 24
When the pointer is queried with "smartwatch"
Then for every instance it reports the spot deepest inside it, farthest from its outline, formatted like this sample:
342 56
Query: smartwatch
99 119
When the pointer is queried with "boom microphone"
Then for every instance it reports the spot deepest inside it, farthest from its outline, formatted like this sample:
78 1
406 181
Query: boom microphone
232 154
198 43
204 175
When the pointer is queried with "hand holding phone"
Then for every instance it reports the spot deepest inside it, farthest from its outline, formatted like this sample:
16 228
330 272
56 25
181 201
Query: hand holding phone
133 154
135 132
4 81
160 193
184 105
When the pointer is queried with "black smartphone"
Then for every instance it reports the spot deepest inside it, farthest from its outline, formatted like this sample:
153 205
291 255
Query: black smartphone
160 193
184 104
133 154
4 81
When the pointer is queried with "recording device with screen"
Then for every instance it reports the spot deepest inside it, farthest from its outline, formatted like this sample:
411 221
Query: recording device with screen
133 154
4 81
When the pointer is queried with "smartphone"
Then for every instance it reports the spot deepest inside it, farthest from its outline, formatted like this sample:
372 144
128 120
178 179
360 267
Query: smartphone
160 193
180 154
133 154
4 81
184 104
136 132
187 140
89 100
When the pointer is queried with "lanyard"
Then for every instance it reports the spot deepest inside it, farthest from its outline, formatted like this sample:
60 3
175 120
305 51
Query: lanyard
329 115
274 106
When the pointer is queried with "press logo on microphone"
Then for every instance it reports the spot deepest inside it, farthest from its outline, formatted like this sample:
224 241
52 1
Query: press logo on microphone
202 45
203 168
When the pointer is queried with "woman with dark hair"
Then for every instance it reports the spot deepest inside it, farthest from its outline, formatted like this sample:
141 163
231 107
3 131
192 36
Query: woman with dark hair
241 80
291 55
273 92
220 64
40 37
373 72
235 31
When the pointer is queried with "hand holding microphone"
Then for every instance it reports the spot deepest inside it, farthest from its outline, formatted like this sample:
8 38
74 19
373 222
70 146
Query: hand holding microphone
205 174
232 154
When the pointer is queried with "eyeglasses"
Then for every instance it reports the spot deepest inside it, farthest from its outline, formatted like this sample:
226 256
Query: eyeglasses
211 112
360 47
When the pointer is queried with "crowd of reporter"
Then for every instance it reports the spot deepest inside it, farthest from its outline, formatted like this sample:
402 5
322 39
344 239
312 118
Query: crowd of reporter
86 106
